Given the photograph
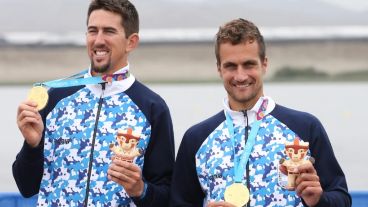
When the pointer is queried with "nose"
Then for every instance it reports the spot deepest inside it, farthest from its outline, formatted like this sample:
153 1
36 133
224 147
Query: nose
100 39
240 74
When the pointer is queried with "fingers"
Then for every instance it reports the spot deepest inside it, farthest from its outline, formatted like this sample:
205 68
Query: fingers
308 182
119 177
307 173
28 117
307 188
128 175
307 168
27 110
28 106
306 177
124 171
127 168
220 204
310 191
30 122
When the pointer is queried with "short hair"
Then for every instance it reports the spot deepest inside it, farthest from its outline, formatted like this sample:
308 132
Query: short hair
239 31
127 11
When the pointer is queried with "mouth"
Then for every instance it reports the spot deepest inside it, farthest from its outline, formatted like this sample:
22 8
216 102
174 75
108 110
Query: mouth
101 53
242 85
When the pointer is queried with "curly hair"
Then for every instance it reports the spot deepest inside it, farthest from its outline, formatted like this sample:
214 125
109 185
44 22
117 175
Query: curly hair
127 11
239 31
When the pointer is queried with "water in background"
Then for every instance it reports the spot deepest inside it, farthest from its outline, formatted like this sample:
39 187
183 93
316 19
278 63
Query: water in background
341 107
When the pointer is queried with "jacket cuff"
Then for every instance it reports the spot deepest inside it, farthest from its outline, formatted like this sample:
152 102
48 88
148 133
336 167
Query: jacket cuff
323 201
29 154
146 198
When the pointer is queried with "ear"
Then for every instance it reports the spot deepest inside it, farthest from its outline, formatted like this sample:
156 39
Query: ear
133 41
265 65
219 69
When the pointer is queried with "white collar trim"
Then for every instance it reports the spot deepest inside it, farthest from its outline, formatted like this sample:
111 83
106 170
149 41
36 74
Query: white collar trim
114 87
238 116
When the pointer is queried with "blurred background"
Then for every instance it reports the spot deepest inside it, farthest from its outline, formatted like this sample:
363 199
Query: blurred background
317 53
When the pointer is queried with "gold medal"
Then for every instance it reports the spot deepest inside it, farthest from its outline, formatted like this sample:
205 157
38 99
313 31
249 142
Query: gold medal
39 95
237 194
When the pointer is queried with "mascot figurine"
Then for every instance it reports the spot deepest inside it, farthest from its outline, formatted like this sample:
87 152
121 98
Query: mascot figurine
127 145
296 151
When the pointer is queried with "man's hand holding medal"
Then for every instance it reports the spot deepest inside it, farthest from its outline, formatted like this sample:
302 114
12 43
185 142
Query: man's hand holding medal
29 120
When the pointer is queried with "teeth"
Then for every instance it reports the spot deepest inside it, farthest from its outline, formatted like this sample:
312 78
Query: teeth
101 53
243 85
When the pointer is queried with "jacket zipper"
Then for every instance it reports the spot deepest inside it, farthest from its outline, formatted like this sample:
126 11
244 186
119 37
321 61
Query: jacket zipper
93 144
246 134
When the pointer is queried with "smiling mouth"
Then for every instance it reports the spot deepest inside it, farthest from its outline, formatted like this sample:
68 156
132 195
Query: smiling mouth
100 53
242 85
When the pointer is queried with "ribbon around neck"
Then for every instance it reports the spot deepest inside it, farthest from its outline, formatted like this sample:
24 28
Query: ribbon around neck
240 163
78 79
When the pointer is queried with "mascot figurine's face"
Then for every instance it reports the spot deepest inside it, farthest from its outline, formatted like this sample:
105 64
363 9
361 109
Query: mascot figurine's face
296 150
127 140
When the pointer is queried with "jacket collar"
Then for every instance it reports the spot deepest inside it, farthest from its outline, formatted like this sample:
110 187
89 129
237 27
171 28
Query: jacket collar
114 87
238 117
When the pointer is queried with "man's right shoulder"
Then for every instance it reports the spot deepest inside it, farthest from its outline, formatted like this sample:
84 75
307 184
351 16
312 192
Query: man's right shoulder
198 133
208 125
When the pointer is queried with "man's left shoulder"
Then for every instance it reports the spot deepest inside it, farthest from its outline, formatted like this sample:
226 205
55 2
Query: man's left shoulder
141 93
285 113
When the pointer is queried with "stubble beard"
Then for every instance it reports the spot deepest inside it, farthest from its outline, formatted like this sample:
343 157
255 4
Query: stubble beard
245 99
100 69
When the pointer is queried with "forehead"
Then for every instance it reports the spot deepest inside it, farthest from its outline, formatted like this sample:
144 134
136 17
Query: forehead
104 18
243 51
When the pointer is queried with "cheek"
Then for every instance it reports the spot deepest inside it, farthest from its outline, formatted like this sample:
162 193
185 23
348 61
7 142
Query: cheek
89 42
89 50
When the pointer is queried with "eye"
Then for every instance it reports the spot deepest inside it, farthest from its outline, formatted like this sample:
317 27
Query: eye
110 31
290 150
249 64
92 31
229 66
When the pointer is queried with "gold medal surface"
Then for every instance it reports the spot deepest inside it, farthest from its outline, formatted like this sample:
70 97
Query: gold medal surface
237 194
39 95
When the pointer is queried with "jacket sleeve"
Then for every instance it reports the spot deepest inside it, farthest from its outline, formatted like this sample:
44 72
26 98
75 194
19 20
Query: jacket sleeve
28 166
27 169
185 188
332 178
159 159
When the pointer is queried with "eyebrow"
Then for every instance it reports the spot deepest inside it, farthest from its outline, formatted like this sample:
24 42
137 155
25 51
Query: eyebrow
250 62
103 28
247 62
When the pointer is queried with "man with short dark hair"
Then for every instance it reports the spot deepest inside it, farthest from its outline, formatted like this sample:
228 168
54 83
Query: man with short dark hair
233 158
71 156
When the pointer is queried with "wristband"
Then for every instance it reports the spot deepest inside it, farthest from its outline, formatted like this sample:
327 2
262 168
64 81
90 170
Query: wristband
144 191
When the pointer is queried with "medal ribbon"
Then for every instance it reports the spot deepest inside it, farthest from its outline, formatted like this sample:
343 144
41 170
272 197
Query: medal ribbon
240 163
78 80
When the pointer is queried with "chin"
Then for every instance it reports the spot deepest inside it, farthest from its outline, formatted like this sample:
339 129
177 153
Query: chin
101 68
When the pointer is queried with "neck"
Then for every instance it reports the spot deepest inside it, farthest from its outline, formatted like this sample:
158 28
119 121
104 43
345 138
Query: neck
244 106
108 72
